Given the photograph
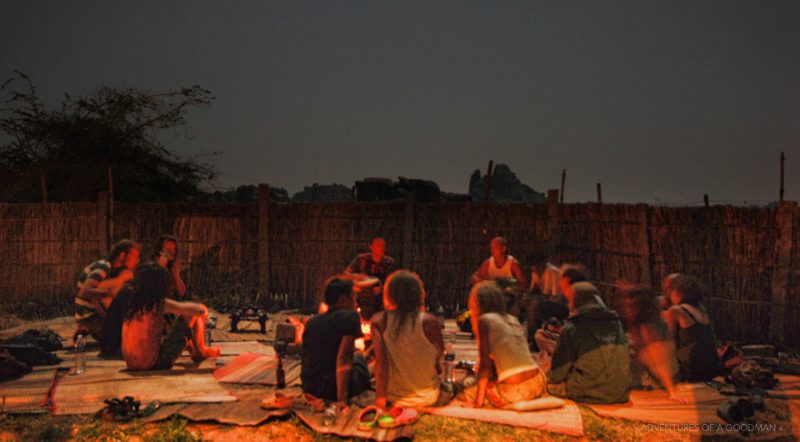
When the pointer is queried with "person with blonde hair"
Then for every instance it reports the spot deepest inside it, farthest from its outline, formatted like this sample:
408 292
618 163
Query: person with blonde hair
408 346
504 347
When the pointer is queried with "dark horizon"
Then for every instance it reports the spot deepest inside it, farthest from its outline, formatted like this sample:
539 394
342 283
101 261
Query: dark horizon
661 102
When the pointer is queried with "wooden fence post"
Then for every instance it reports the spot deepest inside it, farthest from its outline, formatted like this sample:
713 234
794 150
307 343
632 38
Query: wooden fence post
553 227
110 205
43 184
408 230
102 213
263 239
780 277
644 245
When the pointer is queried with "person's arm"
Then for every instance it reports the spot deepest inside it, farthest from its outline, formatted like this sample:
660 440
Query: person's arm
381 367
433 331
90 290
352 268
180 286
535 282
112 286
186 309
564 356
481 274
671 318
344 367
485 367
516 270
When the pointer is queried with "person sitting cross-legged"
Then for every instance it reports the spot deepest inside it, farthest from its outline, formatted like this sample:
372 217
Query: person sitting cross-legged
590 362
147 342
408 346
502 345
692 331
331 369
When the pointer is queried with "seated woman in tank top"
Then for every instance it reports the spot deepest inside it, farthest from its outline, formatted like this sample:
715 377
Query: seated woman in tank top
690 326
408 345
502 345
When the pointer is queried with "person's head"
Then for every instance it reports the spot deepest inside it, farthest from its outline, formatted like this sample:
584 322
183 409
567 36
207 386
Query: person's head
486 297
638 304
378 247
125 253
404 293
570 276
583 293
666 284
150 287
339 294
498 247
686 289
165 249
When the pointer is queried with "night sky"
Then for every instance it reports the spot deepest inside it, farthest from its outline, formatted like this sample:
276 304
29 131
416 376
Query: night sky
660 101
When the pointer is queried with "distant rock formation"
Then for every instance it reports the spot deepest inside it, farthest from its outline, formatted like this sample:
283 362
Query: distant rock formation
506 187
323 193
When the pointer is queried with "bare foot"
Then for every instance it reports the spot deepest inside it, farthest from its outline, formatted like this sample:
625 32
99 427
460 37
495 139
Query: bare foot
207 352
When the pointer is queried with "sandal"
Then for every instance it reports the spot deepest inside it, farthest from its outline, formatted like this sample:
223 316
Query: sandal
278 401
308 402
398 416
368 418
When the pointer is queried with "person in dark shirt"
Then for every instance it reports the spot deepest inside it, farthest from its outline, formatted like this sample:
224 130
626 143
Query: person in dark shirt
331 370
690 325
375 264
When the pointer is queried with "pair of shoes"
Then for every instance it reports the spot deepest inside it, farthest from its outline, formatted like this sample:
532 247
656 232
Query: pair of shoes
395 417
119 410
303 402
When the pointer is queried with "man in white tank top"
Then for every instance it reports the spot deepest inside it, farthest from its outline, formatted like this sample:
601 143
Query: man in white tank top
500 265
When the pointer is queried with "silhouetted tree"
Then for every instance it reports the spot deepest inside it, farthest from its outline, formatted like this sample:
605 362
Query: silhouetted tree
75 143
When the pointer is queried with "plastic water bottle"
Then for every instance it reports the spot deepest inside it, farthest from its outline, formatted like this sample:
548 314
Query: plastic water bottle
450 361
80 355
329 416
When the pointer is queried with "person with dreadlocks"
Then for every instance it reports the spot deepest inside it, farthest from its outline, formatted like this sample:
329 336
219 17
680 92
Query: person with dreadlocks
408 346
147 342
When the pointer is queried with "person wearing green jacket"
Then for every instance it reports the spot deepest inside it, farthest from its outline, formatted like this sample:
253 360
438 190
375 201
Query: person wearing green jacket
591 362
